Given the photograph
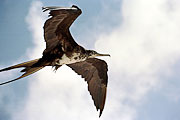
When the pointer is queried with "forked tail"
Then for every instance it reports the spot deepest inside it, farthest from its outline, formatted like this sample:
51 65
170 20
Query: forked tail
28 69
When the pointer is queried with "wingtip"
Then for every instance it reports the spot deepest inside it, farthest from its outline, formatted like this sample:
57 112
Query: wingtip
51 8
100 113
44 9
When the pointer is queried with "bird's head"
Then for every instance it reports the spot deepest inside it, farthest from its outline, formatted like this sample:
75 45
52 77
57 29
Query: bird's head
93 54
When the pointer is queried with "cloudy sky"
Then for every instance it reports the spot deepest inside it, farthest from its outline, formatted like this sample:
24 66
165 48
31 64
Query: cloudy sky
142 37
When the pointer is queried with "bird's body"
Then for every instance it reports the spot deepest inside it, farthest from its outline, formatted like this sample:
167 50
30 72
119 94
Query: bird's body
76 57
62 49
78 54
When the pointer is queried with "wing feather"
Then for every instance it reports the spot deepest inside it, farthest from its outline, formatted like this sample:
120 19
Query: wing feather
95 73
56 28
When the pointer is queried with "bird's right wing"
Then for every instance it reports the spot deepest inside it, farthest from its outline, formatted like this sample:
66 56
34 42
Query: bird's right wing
95 73
56 28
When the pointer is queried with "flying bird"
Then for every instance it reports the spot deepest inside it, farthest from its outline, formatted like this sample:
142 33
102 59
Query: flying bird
62 49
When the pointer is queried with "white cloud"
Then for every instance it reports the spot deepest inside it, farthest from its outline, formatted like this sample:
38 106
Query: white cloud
142 48
35 20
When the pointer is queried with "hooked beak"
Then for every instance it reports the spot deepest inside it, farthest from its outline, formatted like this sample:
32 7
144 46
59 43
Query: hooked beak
98 54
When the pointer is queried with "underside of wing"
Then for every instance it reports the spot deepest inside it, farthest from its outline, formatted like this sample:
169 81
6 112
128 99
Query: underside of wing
95 73
56 28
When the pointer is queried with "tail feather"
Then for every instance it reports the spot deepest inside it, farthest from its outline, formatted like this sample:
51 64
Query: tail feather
28 69
25 64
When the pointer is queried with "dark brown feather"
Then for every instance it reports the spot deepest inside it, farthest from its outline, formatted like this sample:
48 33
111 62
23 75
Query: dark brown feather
24 64
95 73
56 30
28 72
28 69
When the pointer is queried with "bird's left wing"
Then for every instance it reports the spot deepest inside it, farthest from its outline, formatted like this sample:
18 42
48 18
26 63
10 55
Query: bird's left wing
95 73
56 28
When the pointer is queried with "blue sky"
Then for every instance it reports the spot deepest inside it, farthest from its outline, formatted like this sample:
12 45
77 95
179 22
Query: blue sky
13 29
142 38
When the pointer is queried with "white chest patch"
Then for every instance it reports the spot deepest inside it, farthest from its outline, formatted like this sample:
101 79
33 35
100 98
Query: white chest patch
65 60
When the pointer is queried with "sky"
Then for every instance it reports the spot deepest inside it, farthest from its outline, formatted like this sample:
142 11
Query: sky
142 37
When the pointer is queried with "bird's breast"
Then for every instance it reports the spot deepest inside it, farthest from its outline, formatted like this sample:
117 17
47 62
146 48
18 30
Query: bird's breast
76 57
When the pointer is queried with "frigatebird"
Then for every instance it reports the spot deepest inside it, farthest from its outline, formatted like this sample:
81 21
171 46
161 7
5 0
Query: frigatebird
62 49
